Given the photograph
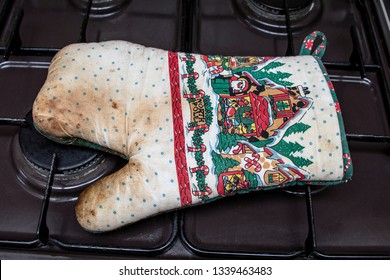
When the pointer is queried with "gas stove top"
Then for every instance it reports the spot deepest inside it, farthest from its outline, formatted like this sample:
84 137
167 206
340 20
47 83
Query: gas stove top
41 180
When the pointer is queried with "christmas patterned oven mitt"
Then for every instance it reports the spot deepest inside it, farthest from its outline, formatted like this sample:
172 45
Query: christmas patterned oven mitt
193 127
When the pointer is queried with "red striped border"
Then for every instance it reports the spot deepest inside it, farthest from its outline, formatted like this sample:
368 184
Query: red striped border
178 131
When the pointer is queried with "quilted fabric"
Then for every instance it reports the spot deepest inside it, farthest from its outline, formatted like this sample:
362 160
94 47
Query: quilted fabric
193 127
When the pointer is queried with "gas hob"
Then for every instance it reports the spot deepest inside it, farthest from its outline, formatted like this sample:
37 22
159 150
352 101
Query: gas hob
41 180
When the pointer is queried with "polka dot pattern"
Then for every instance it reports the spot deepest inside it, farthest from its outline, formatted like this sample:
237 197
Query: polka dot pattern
321 145
116 95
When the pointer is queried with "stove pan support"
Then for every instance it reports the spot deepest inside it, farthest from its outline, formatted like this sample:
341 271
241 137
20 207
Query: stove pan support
356 57
356 63
290 46
152 252
378 58
13 121
188 10
14 42
232 254
83 28
310 242
42 231
4 14
382 11
356 60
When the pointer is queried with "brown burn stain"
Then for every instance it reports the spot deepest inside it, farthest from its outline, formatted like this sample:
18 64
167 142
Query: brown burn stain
96 193
91 216
139 189
61 111
135 166
53 126
52 104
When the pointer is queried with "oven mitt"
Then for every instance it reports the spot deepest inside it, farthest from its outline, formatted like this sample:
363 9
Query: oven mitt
193 127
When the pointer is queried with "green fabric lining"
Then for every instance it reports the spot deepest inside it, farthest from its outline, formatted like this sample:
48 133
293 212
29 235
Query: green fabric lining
80 142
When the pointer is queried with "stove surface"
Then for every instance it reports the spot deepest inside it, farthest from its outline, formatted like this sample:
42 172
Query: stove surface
346 221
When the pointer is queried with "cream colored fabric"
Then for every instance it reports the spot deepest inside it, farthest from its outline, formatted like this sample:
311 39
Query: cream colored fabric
115 94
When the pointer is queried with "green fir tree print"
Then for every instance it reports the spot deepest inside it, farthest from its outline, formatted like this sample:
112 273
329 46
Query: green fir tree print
272 65
251 178
222 164
297 128
300 161
267 71
228 140
287 149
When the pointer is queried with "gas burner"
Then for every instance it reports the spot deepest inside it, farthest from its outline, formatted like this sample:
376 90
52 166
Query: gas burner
39 150
276 8
75 168
269 16
101 8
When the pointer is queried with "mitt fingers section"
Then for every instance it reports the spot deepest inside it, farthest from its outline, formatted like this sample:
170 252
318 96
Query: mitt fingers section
122 198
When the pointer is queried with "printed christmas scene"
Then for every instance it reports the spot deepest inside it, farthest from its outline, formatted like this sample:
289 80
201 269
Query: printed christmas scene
257 108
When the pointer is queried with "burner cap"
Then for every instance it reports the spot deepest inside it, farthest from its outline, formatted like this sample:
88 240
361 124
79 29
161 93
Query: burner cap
101 8
39 150
277 6
269 16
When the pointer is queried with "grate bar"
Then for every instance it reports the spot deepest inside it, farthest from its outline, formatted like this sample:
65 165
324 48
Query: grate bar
349 67
4 14
356 56
32 51
84 24
188 9
368 138
11 121
14 42
372 39
42 229
290 45
205 252
310 242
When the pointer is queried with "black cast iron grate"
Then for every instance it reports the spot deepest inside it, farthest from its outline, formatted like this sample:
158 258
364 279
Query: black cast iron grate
187 23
